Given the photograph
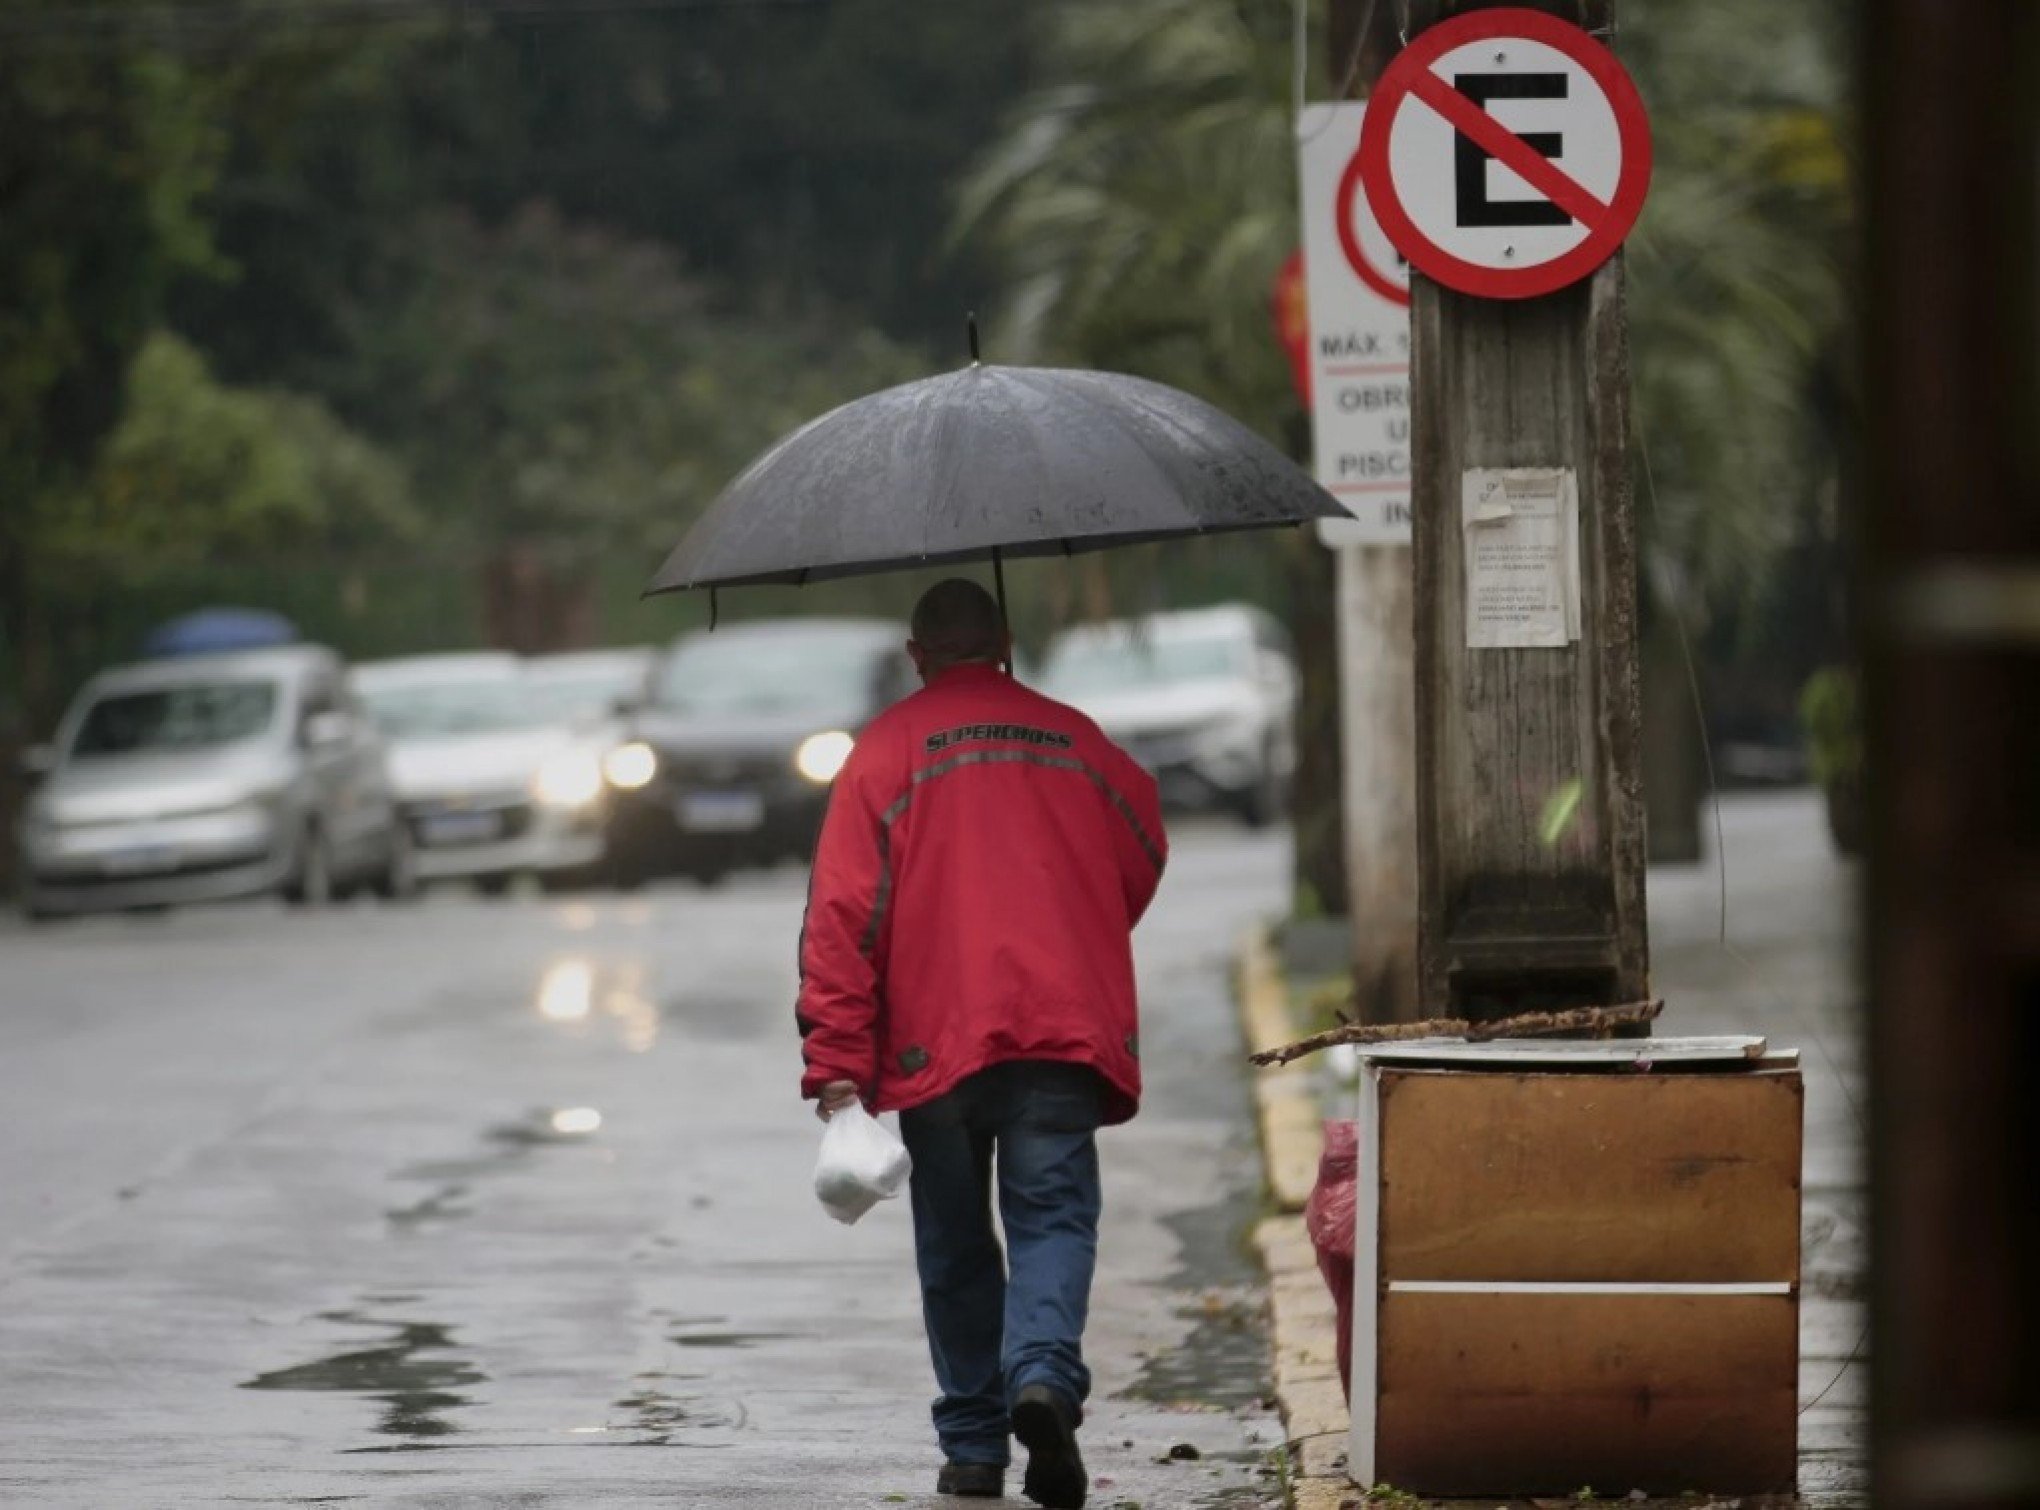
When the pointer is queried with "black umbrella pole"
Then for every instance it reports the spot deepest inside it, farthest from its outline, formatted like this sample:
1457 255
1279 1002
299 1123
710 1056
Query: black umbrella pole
1005 623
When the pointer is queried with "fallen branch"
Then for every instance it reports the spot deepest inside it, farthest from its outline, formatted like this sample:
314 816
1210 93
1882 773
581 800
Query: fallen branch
1523 1025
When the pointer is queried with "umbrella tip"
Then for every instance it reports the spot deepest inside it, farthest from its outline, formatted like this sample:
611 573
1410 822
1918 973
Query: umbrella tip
970 325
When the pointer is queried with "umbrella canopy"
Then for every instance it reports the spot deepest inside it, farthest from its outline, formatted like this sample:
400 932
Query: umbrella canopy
992 462
208 630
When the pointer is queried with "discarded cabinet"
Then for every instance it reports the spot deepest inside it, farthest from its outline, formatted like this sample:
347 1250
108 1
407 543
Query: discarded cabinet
1577 1266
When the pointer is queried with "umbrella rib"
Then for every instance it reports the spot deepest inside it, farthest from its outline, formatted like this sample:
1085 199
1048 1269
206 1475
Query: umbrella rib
1148 454
1188 449
947 466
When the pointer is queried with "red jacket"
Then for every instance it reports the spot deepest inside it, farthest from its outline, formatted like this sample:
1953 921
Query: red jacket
985 856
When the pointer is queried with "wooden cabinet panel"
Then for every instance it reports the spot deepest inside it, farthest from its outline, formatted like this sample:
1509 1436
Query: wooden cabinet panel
1515 1393
1590 1177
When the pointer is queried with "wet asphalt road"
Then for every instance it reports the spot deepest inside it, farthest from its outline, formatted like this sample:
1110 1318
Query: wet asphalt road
506 1203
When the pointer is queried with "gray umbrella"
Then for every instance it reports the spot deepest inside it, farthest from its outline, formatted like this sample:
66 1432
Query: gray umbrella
990 462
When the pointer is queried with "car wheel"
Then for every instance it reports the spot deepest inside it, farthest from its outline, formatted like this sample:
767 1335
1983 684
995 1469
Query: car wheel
1260 802
574 878
631 860
399 879
312 886
709 876
494 886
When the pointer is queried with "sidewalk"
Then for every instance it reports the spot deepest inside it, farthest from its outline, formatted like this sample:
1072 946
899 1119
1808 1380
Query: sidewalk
1786 972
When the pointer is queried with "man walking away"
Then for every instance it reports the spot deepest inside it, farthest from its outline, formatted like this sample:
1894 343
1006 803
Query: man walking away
967 961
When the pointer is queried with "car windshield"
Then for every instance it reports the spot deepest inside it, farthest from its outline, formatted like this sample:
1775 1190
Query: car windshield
194 717
432 709
828 676
587 695
1097 663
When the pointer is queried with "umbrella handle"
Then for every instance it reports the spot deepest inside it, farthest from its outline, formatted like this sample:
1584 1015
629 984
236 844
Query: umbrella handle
999 573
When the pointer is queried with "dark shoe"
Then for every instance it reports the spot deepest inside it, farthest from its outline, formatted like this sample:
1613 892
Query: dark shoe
972 1481
1046 1425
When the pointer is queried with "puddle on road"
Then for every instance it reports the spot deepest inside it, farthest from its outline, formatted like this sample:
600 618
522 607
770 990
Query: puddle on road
538 1129
1223 1361
510 1144
577 993
1225 1358
727 1339
659 1419
440 1206
415 1390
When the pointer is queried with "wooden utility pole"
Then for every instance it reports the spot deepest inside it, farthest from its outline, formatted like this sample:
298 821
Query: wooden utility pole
1950 603
1377 673
1530 794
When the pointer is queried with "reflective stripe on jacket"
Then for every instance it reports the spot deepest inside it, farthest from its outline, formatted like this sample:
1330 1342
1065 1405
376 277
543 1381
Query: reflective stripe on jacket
985 856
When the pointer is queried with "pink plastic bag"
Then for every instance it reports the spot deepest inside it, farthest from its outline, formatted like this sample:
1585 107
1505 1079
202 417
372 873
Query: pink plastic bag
1328 1216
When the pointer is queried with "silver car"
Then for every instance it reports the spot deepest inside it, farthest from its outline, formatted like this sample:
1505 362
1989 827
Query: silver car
497 774
206 777
1205 698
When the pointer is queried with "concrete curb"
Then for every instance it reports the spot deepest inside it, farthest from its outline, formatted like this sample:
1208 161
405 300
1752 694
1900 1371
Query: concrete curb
1314 1414
1285 1098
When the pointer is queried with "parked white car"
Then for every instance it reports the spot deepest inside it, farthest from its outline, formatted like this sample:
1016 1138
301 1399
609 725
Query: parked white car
1204 698
211 776
495 778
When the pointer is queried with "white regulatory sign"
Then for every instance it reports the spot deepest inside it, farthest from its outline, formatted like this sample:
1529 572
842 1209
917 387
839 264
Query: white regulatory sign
1507 153
1358 295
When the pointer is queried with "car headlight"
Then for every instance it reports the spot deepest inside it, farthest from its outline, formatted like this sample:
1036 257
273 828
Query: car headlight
821 756
571 778
630 766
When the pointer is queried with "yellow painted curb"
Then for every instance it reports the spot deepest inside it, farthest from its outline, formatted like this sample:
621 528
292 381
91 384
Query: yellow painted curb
1323 1494
1305 1338
1314 1414
1285 1099
1263 998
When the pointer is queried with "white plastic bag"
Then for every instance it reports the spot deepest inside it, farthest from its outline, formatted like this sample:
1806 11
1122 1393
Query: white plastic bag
862 1163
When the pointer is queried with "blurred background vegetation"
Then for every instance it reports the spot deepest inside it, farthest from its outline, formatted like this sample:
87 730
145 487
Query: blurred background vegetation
433 325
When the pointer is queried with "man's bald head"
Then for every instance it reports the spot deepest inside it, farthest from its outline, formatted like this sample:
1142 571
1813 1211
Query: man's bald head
956 621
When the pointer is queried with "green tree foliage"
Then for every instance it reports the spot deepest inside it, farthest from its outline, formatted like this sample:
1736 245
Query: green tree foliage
798 150
339 140
569 389
1737 290
1141 203
195 472
796 158
105 152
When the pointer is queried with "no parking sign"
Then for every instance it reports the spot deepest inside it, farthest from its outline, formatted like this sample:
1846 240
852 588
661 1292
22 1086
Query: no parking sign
1506 153
1359 337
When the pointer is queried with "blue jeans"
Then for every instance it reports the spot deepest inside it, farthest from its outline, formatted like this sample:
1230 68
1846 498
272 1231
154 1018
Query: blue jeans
990 1335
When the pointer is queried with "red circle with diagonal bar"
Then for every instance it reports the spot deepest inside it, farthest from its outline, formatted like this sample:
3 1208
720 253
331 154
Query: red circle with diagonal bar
1429 148
1350 204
